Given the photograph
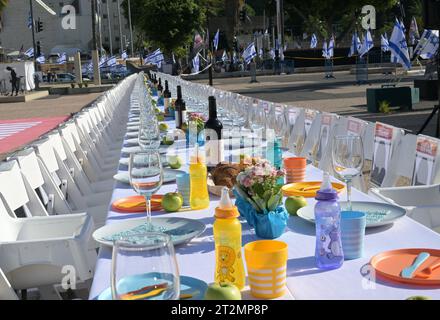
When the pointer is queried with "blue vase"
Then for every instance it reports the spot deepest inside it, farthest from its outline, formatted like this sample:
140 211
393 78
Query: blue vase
200 139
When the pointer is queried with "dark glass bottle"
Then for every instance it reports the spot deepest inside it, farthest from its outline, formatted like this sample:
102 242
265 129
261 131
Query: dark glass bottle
180 112
213 137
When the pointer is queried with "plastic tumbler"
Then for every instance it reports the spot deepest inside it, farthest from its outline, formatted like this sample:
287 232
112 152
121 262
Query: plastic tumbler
266 262
183 186
353 233
295 168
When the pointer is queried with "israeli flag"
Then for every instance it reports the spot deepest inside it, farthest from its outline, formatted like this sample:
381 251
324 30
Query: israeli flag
62 59
355 45
225 56
216 38
260 53
324 50
367 44
331 47
112 61
272 53
413 31
313 41
41 59
398 46
155 57
103 61
196 63
30 22
249 53
124 55
29 52
428 44
384 45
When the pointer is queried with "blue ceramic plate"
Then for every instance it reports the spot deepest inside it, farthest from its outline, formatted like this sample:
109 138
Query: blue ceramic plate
378 214
181 230
188 285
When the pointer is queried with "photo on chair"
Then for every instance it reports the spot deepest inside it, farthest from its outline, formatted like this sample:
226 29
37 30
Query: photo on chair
382 153
323 140
424 165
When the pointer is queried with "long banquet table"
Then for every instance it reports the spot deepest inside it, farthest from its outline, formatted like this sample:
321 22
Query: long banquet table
304 281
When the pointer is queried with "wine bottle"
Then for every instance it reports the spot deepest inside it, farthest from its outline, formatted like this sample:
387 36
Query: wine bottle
166 97
213 137
180 113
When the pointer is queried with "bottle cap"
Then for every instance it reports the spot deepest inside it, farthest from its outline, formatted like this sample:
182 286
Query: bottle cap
326 192
226 209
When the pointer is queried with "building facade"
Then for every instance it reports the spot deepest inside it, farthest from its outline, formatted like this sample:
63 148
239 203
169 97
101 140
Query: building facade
58 34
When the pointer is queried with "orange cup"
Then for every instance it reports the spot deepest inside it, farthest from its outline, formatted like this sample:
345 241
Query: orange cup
295 169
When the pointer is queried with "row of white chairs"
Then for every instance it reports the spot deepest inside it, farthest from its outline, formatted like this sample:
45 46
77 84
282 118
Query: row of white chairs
55 193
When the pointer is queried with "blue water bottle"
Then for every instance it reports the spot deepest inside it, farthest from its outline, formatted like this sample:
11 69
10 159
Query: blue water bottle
328 252
274 154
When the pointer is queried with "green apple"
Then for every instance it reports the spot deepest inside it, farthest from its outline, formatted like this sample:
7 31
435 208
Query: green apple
222 291
175 161
163 127
172 201
167 142
294 203
419 298
160 117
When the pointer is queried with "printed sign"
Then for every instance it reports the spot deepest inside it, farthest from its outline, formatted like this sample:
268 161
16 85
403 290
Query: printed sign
426 153
383 139
355 127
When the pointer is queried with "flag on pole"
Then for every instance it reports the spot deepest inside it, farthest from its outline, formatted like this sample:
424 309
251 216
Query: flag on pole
62 59
313 42
156 57
225 56
216 38
30 23
428 44
384 45
41 59
29 52
355 45
174 59
111 62
398 46
331 47
324 50
367 44
272 53
249 53
196 63
260 53
413 32
102 61
124 55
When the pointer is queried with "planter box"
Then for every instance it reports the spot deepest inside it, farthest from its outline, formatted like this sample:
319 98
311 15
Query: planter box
428 89
403 97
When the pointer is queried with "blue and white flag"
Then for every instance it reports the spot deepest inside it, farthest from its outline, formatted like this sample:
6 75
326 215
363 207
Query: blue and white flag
324 50
29 52
355 45
331 47
103 61
112 61
313 41
30 22
124 55
62 59
428 44
41 59
225 56
398 46
155 57
196 63
260 53
272 53
249 53
234 57
413 32
384 45
367 44
216 38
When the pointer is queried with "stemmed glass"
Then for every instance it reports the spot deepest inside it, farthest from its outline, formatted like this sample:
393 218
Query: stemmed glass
144 267
348 159
146 177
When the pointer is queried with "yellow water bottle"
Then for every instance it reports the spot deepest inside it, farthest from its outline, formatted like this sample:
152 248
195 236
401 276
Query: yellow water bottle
198 173
227 236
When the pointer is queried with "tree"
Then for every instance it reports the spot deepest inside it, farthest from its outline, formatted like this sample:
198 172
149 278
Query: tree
3 4
168 24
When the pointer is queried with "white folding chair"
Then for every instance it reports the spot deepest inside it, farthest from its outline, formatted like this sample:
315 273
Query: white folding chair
6 290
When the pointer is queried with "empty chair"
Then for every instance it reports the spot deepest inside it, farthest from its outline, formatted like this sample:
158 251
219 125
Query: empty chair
6 290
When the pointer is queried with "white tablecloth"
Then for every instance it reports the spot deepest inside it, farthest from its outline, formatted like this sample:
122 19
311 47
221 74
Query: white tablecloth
305 281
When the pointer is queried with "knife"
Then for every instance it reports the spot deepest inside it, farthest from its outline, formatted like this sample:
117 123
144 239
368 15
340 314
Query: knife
409 271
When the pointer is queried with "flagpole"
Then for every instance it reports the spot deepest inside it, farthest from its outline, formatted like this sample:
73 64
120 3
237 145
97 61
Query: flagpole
120 27
109 29
37 85
131 28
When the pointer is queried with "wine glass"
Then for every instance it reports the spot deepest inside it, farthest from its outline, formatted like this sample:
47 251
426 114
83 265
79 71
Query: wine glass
144 267
146 177
348 159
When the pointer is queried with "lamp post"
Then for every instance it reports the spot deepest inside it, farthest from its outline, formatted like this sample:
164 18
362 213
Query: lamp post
109 29
95 55
131 29
120 28
37 85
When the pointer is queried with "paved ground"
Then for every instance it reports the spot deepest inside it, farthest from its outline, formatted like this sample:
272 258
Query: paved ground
51 106
340 95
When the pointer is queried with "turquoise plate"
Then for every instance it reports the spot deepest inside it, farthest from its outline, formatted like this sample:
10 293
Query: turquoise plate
188 285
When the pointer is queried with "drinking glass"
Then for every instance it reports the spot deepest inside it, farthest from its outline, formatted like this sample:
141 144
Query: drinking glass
348 159
146 177
144 267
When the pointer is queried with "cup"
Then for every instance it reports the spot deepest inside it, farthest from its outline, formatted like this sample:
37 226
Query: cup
183 186
266 262
295 168
353 233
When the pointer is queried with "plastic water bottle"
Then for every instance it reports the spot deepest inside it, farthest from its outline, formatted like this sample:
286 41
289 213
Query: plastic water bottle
274 154
328 252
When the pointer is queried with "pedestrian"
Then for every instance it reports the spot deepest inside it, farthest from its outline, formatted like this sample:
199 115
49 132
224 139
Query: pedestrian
15 81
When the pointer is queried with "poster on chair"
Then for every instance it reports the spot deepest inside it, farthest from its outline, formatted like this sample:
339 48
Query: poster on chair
424 166
383 141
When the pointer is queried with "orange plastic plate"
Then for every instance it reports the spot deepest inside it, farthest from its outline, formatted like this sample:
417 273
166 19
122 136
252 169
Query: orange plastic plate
389 264
307 189
136 204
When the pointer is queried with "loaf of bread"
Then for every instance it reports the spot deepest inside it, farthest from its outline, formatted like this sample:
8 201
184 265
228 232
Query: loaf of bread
224 174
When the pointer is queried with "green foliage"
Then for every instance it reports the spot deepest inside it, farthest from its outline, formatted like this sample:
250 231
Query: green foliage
168 24
384 107
3 4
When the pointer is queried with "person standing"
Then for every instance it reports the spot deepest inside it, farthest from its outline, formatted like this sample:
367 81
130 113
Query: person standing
14 81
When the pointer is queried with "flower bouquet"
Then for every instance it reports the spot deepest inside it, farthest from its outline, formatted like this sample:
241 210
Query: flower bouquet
194 128
259 199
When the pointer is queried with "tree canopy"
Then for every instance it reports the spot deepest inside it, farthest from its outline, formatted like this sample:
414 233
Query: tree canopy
3 4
